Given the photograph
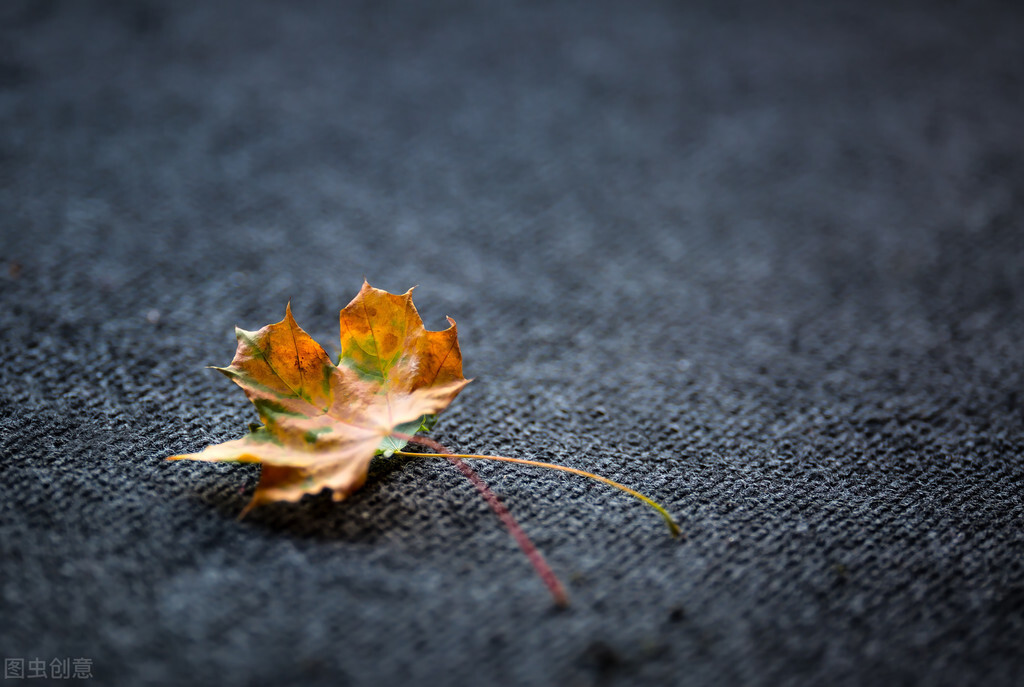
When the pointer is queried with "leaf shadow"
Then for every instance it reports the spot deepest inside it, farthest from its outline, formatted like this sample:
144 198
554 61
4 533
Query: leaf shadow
375 512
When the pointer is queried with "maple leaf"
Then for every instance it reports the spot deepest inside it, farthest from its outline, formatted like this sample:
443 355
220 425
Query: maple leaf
323 422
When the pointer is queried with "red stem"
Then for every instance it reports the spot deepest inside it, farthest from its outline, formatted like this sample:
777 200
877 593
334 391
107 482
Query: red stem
536 559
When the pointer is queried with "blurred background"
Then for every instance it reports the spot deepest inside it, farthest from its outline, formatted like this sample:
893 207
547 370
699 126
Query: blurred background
763 261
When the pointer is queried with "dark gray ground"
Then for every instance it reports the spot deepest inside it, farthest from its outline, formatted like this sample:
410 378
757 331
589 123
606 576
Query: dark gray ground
766 266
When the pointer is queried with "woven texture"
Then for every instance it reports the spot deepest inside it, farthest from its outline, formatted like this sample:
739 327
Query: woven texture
765 266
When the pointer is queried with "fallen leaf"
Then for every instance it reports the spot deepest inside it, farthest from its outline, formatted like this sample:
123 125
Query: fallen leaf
323 422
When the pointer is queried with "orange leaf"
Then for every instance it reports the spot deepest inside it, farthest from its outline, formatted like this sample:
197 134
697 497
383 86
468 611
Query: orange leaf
323 423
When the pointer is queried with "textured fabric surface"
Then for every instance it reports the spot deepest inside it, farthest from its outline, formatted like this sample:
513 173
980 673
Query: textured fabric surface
766 266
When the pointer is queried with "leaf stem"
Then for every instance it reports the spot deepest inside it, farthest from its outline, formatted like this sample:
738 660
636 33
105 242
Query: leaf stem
672 526
545 572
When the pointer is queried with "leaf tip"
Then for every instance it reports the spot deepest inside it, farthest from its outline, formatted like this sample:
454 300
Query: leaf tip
289 319
226 371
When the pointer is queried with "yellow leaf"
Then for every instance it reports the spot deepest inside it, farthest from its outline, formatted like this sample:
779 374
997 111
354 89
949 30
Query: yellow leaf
322 423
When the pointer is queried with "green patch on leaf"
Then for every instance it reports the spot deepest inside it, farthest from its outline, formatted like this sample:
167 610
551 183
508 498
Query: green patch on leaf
391 444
